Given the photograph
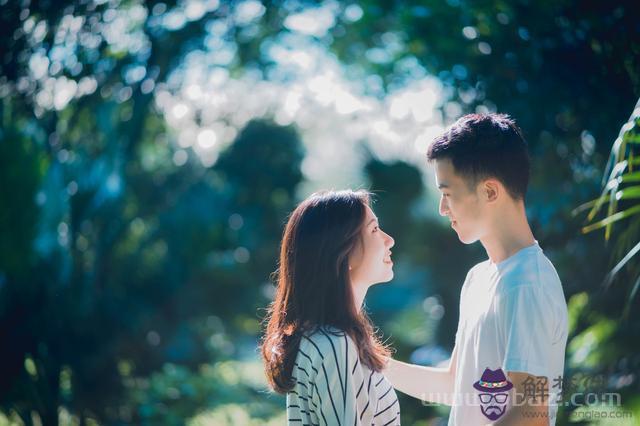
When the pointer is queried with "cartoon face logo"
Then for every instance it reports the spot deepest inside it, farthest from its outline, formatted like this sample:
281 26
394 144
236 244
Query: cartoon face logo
493 387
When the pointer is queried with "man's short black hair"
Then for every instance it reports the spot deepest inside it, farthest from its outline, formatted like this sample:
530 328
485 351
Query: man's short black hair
482 146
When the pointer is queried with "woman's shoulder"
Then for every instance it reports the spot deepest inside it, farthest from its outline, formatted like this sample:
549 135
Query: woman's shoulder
326 340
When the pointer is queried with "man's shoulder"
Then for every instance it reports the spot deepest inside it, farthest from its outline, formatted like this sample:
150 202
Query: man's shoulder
532 269
475 270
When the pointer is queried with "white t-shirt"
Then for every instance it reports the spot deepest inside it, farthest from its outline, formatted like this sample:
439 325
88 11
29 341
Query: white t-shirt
513 316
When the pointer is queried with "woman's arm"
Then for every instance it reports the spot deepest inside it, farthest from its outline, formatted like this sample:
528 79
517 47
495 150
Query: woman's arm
428 384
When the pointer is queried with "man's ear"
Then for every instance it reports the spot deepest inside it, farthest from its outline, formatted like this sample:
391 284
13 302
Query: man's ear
491 189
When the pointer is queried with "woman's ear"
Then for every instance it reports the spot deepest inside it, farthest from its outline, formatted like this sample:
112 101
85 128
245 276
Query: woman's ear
355 257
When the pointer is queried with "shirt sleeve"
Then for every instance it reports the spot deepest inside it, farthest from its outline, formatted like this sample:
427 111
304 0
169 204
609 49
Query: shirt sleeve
341 389
526 329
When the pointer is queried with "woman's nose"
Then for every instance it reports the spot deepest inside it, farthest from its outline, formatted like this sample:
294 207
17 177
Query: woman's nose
390 241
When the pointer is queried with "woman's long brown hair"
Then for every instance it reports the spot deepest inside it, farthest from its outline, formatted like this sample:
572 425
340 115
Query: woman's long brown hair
314 288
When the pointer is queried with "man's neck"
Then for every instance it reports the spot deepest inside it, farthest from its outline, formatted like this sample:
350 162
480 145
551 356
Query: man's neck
510 233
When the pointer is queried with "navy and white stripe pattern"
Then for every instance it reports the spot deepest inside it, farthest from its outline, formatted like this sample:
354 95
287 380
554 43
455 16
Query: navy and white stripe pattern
334 388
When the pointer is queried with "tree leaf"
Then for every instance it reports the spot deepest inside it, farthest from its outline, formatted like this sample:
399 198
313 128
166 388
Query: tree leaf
611 275
610 219
628 193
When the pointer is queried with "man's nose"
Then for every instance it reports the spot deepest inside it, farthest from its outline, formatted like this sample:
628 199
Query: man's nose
443 208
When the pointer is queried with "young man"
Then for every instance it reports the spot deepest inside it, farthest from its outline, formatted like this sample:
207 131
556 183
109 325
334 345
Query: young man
508 359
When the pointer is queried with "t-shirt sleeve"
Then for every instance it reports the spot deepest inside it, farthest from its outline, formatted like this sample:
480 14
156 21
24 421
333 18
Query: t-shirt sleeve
526 329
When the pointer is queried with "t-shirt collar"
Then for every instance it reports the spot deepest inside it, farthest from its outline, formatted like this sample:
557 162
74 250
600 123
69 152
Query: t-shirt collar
533 247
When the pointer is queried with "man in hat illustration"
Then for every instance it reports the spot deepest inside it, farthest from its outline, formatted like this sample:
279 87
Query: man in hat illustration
513 314
493 387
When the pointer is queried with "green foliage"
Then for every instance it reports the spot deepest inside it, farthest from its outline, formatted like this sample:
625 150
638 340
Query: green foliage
117 264
132 275
620 193
22 165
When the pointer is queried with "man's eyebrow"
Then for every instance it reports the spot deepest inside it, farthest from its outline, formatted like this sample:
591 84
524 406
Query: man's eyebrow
442 185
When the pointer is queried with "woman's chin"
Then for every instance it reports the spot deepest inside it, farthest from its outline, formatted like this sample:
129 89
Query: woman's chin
388 277
383 276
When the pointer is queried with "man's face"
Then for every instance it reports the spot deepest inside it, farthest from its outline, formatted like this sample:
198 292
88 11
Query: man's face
462 205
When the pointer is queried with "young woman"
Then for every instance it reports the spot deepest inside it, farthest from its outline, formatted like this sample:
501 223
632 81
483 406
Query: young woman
319 346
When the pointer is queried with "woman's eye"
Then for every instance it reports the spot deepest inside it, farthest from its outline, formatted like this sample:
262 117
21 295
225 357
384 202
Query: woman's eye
375 228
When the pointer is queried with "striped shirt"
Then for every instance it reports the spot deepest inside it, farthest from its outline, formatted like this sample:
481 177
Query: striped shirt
332 386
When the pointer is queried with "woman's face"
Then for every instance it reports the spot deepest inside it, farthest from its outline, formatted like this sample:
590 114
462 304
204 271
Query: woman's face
370 262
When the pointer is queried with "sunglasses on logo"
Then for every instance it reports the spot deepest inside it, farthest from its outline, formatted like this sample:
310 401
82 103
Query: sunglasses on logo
500 398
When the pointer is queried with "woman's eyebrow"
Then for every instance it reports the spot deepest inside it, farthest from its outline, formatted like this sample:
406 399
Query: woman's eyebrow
375 219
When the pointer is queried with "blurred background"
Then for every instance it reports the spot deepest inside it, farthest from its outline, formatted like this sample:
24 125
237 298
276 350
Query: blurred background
150 152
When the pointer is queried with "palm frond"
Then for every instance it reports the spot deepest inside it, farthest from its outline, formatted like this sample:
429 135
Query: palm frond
619 197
